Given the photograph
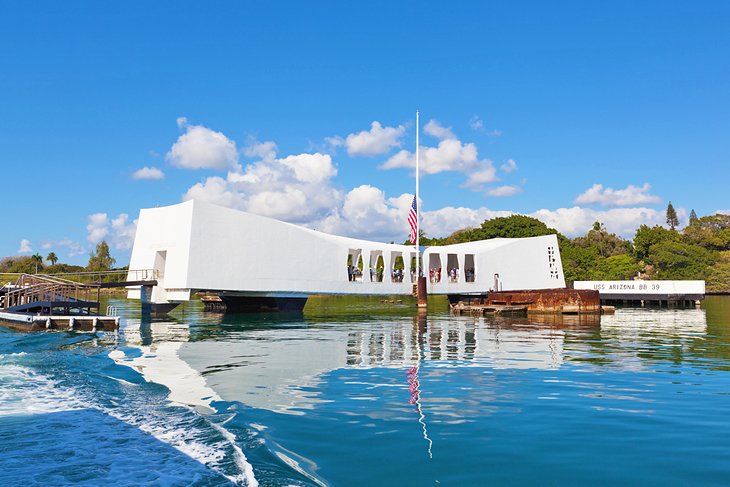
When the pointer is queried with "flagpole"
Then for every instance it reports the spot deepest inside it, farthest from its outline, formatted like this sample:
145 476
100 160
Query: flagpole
418 209
420 281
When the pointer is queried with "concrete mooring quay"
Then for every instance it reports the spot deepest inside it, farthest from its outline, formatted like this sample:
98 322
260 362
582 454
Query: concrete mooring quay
647 293
27 322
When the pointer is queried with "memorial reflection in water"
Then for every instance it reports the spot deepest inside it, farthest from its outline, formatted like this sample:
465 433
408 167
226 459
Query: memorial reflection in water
277 363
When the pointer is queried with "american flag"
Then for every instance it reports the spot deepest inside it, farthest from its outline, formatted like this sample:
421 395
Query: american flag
413 220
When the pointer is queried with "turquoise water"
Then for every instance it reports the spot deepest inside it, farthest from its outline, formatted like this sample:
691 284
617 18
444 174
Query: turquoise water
358 392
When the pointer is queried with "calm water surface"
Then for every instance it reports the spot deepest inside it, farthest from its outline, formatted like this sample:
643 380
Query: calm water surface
359 392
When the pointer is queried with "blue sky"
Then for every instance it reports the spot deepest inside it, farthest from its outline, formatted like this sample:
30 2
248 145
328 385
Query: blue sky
568 111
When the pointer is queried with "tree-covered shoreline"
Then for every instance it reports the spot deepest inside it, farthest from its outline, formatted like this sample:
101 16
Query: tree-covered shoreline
99 261
701 250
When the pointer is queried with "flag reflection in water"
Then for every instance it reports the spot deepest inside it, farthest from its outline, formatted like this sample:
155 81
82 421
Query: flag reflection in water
414 384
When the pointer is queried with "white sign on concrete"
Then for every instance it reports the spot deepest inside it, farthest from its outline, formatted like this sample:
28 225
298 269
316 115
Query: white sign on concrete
642 288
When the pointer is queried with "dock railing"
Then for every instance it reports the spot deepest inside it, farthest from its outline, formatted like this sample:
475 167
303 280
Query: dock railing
32 288
69 288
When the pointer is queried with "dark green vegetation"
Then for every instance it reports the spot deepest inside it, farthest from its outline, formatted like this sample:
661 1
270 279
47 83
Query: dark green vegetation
99 260
699 251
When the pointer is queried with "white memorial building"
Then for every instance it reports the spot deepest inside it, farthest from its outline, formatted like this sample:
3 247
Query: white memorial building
251 260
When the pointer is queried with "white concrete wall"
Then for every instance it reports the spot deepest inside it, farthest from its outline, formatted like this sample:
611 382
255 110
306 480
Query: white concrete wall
165 229
522 263
209 247
232 250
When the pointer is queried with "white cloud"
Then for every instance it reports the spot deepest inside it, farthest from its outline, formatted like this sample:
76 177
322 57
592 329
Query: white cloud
296 188
311 168
299 188
477 124
202 148
215 190
123 232
275 189
366 213
502 191
631 195
509 166
376 141
485 174
72 248
118 232
576 221
332 143
723 212
435 129
97 228
262 150
450 155
445 221
25 247
148 172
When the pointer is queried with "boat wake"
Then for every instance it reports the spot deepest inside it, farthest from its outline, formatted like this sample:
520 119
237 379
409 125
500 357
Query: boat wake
130 432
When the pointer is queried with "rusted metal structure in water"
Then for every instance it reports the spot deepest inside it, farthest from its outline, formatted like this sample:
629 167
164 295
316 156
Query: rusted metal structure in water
559 301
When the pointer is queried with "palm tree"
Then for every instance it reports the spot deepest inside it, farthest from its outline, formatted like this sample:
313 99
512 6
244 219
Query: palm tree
52 258
38 260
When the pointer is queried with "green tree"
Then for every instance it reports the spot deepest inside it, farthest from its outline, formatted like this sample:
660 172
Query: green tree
52 258
460 236
678 260
38 260
578 262
693 217
101 259
672 219
61 268
616 267
515 226
647 236
423 240
710 232
18 265
718 275
607 244
399 265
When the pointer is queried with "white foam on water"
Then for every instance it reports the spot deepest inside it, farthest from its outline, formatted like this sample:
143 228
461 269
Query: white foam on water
295 465
190 440
239 457
161 364
24 391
